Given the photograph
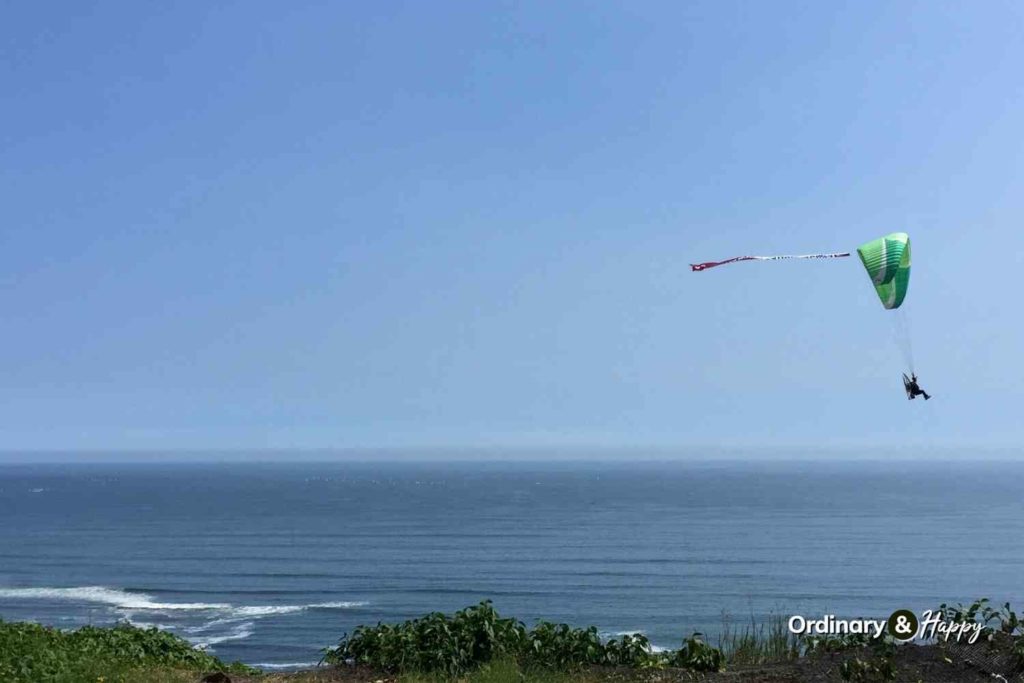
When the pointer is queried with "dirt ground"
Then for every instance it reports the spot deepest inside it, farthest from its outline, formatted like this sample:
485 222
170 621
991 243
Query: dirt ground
914 664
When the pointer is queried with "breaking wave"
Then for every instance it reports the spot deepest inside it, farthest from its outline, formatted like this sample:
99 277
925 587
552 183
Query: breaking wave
239 632
220 621
114 597
131 601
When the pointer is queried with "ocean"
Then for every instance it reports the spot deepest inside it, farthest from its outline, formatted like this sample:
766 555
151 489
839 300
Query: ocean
270 563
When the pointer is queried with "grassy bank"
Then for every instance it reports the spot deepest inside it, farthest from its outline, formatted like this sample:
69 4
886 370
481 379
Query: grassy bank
477 645
30 653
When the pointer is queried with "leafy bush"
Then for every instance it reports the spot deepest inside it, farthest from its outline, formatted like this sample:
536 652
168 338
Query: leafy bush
697 655
453 645
434 643
1003 620
630 650
32 653
560 646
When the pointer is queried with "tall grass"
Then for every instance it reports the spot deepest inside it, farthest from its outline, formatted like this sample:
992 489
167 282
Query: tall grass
757 642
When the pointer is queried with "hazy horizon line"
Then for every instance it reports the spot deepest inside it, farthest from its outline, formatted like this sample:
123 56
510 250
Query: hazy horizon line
554 453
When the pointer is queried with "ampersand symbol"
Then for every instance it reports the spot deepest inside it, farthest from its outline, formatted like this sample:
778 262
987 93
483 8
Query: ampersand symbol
903 624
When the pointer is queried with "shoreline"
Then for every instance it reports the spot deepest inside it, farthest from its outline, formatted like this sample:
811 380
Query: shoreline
477 645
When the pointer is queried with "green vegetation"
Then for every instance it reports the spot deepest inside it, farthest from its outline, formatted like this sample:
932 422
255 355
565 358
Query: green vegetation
477 645
30 653
697 655
453 645
834 644
1002 627
873 670
758 642
478 642
878 667
1003 620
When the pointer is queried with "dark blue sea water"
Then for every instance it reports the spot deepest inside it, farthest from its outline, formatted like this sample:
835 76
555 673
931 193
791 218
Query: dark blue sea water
270 563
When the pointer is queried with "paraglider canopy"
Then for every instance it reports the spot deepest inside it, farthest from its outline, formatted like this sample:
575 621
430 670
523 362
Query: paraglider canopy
887 260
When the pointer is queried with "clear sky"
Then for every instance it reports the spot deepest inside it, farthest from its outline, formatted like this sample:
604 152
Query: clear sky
330 224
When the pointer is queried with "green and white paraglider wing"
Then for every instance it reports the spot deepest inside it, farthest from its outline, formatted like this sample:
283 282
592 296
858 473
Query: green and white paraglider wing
887 260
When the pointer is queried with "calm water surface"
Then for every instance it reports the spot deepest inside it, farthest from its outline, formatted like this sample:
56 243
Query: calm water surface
270 563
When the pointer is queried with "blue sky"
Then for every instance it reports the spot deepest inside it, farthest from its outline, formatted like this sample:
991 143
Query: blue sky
300 225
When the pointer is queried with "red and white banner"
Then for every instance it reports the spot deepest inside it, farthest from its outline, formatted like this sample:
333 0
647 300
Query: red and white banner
711 264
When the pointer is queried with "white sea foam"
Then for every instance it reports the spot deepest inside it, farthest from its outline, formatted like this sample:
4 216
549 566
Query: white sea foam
134 602
145 624
618 634
222 622
339 605
114 597
239 632
272 666
651 647
244 612
249 611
